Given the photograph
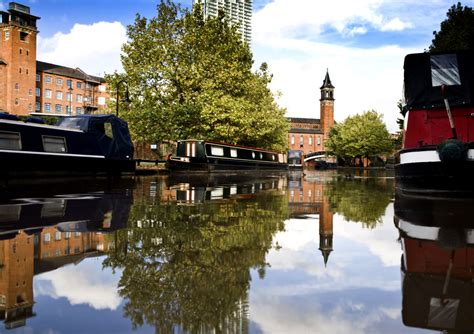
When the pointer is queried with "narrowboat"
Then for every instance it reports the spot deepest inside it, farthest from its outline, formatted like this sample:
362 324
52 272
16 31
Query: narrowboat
76 145
209 156
438 146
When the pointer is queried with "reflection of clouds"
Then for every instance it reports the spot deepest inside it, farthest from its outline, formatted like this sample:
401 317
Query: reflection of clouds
85 283
381 240
308 315
299 244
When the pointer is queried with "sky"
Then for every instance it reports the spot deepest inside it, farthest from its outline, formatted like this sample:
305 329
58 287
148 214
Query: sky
361 43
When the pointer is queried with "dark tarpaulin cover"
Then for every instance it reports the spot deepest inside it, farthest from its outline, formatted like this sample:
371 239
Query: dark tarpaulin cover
120 147
424 73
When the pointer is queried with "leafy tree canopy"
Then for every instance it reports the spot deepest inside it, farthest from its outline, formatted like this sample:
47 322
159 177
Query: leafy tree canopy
192 78
457 31
360 136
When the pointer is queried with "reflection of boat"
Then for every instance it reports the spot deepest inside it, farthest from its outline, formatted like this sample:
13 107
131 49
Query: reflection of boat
438 257
79 145
191 193
212 156
70 211
438 147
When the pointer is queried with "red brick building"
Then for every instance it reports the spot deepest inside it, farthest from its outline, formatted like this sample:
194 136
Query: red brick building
307 135
28 85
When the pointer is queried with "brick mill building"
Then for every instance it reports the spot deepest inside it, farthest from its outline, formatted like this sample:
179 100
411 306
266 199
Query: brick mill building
28 85
307 135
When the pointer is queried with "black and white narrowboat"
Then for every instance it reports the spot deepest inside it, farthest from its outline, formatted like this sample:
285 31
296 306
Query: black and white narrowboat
438 147
211 156
77 145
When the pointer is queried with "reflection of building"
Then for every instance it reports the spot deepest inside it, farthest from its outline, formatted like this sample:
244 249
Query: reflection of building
27 255
28 85
306 198
307 135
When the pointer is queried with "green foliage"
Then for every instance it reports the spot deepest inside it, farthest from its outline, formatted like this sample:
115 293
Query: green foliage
360 136
190 265
192 78
457 31
361 198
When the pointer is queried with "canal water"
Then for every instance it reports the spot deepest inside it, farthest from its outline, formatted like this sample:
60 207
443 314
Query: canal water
313 252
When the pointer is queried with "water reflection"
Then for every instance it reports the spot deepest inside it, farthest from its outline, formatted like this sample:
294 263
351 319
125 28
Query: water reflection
187 253
42 234
438 259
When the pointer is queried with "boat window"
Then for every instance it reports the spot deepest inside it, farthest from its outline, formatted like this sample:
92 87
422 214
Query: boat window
54 144
181 149
233 153
253 155
108 130
444 70
10 140
215 150
273 157
261 155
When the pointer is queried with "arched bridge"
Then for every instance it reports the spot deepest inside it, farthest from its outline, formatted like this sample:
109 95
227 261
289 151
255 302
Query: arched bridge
315 156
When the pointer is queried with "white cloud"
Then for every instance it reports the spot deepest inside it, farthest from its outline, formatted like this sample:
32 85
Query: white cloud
289 36
396 25
85 283
94 48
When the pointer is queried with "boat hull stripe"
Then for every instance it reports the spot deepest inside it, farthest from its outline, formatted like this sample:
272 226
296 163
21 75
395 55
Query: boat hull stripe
54 154
426 156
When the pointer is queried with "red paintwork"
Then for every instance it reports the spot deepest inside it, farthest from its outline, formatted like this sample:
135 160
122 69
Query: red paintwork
426 256
431 127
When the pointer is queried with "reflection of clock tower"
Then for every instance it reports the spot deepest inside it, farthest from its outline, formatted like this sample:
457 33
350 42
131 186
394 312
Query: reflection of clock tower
325 230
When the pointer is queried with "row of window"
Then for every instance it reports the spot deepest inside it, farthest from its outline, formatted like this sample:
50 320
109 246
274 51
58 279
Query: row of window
58 236
59 81
23 35
57 108
219 152
48 93
310 140
12 141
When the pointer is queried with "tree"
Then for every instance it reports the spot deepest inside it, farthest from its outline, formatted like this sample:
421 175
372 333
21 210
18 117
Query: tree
360 136
457 31
192 78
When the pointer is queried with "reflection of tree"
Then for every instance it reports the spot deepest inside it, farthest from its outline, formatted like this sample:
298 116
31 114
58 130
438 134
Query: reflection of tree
360 199
190 266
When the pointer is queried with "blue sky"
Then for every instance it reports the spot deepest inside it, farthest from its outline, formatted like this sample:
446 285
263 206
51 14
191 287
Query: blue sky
361 42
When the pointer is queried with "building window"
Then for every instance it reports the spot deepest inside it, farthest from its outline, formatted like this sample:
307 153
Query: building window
318 140
68 97
79 85
59 81
78 110
10 140
27 71
23 36
57 236
101 101
301 140
38 91
78 98
57 252
58 108
47 107
19 70
77 234
17 101
101 88
30 92
54 144
47 237
310 140
38 106
59 95
38 77
27 52
7 35
48 93
68 110
292 139
47 79
17 86
21 50
69 83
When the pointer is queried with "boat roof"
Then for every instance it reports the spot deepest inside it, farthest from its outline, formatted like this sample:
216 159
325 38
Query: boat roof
425 73
230 145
